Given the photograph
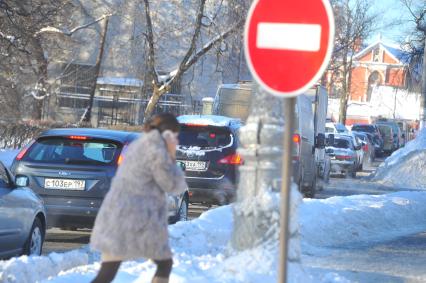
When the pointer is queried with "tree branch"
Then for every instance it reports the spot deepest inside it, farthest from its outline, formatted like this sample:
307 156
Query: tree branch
71 32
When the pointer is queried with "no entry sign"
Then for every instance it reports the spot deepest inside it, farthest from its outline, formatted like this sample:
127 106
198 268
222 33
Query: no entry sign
288 43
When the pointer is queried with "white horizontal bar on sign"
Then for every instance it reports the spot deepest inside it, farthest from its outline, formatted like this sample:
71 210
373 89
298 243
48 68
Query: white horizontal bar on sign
298 37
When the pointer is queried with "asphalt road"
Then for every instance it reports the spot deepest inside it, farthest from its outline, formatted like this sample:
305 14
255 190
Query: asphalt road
58 240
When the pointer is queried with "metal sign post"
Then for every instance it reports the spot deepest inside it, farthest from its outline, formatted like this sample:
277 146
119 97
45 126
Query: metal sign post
289 105
288 45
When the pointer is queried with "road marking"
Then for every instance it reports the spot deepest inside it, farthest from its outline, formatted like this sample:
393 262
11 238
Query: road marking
297 37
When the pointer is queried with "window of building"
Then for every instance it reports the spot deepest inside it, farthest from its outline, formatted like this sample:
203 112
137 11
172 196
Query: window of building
376 55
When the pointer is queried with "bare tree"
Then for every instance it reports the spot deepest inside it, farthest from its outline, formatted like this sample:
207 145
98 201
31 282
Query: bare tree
354 23
21 46
195 51
417 47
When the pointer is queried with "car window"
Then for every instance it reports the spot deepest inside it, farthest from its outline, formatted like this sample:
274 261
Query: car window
70 151
205 137
4 179
341 143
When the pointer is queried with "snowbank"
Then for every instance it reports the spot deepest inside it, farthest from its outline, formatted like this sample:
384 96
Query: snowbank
405 167
202 254
360 219
36 268
7 156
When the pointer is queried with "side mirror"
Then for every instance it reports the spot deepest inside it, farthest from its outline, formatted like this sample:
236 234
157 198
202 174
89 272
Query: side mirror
320 141
22 181
181 165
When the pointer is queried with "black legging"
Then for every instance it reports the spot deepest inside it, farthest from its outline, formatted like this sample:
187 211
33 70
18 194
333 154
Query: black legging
109 270
164 268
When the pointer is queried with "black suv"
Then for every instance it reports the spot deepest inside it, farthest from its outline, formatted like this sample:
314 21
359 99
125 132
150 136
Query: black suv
208 147
71 169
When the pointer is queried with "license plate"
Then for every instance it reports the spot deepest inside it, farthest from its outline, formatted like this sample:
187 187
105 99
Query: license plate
64 184
195 165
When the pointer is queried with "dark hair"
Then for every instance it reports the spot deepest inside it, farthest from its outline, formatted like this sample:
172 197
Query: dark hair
162 122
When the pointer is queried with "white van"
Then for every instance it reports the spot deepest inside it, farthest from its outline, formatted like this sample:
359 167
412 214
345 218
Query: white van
304 164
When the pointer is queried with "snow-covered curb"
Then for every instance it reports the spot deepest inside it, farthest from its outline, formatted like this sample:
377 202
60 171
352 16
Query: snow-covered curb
36 268
202 254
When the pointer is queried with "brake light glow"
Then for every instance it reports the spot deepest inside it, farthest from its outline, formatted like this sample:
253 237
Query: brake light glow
195 125
212 135
22 153
81 138
233 159
121 156
296 138
120 159
344 157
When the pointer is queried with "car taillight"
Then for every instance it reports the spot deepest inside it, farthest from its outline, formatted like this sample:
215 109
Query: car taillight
233 159
22 153
296 147
344 157
80 138
121 156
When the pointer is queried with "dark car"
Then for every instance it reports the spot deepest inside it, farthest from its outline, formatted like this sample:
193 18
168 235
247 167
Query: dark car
22 218
72 169
208 147
374 130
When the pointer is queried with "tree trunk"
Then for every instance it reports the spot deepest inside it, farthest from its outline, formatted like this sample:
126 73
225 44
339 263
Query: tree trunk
156 94
42 79
423 95
88 115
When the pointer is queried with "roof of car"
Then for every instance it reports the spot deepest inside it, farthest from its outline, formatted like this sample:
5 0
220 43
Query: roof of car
120 136
210 120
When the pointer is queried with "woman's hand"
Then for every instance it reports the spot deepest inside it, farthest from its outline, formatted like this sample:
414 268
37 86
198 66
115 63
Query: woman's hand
171 142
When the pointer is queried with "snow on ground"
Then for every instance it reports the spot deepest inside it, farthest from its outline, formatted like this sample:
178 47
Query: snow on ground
405 167
202 253
7 156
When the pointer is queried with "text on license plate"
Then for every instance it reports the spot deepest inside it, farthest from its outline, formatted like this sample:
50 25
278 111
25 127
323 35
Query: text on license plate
64 184
195 165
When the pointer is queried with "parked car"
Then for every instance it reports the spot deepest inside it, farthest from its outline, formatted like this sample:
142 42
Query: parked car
397 134
342 154
386 132
71 169
208 148
22 218
374 130
367 147
357 144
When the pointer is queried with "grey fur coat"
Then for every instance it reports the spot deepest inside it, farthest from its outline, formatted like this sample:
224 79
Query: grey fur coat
132 221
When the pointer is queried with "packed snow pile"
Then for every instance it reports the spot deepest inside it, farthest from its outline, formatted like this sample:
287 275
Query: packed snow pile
405 168
202 253
360 219
36 268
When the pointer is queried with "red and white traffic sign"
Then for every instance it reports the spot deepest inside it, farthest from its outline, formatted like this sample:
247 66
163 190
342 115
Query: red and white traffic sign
288 43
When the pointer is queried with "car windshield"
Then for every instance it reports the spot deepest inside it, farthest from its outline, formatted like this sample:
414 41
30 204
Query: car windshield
363 128
72 151
204 137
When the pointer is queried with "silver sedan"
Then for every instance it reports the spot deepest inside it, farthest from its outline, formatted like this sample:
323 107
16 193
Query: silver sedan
22 218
